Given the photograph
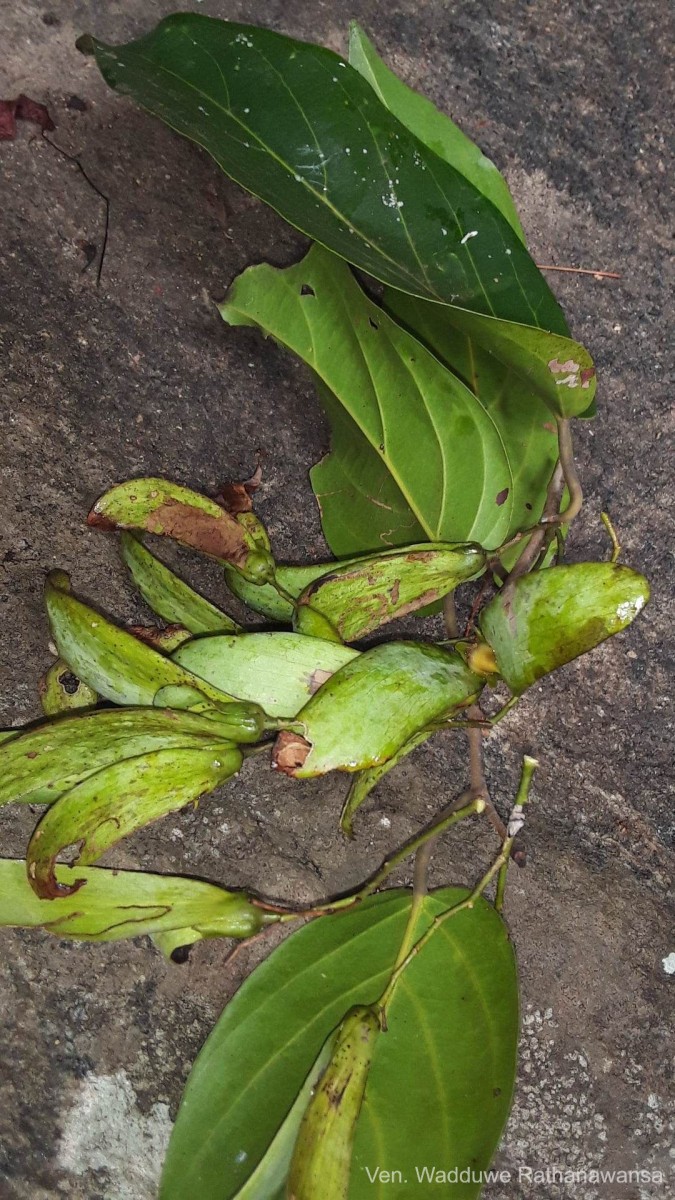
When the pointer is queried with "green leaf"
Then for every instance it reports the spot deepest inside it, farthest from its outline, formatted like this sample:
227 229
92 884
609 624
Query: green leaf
119 904
168 595
61 691
559 370
362 507
371 707
265 599
439 446
279 671
299 127
269 1177
41 763
523 419
441 1081
519 355
121 798
165 508
550 617
111 660
296 125
360 598
432 127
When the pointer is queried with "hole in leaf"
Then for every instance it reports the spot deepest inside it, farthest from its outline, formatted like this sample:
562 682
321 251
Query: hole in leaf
306 290
373 324
500 498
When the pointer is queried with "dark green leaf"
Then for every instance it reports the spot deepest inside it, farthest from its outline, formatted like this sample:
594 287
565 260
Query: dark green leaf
168 595
299 127
496 380
440 1085
279 671
121 798
269 1177
551 617
439 446
119 904
371 708
432 127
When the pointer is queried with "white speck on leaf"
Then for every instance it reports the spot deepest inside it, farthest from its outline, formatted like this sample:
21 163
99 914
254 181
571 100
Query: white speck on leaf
470 234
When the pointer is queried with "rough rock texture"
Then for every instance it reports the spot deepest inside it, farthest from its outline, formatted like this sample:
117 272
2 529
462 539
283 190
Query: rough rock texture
139 376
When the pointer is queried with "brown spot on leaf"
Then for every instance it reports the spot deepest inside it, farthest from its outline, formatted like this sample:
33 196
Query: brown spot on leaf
236 497
501 497
290 752
218 536
22 109
421 556
42 877
317 680
394 591
153 636
98 521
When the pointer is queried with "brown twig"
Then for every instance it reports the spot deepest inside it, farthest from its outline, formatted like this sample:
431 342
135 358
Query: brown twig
570 475
540 534
580 271
106 223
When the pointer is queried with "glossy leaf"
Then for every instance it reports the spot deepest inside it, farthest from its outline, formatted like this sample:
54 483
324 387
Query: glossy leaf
169 510
440 1084
279 671
41 763
120 904
360 598
111 660
61 691
121 798
322 1157
168 595
370 708
438 444
520 356
432 127
299 127
553 616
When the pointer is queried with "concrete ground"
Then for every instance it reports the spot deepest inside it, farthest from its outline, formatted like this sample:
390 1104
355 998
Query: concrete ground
139 376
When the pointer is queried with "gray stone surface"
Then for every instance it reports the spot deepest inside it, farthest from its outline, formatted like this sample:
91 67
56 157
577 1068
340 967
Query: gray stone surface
139 376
